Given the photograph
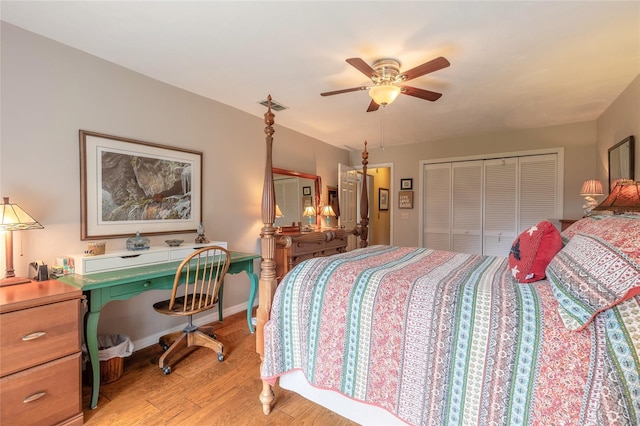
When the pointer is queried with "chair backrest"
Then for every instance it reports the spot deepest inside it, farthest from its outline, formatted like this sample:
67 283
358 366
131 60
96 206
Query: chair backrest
199 277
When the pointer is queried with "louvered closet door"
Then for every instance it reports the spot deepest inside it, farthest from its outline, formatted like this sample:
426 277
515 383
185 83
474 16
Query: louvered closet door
500 206
467 207
538 198
437 206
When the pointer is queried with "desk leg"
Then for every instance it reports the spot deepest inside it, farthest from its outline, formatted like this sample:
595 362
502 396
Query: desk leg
220 301
252 296
91 336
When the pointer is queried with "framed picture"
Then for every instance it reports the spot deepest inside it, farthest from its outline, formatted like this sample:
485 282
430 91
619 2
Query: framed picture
383 199
306 190
406 183
129 186
405 199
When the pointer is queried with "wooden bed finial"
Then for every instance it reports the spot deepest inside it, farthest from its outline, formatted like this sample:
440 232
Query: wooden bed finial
268 281
364 201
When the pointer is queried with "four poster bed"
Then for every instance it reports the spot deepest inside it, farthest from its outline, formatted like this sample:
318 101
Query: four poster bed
386 334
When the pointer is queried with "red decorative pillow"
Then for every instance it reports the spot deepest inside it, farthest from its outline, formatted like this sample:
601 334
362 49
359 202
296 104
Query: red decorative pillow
532 251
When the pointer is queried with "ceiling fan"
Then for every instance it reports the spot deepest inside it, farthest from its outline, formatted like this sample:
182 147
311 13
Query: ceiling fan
387 80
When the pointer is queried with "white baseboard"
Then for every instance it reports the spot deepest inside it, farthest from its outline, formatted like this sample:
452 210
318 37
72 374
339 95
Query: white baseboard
205 319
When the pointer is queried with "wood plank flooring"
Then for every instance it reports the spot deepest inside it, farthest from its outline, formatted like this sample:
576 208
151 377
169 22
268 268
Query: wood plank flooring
201 390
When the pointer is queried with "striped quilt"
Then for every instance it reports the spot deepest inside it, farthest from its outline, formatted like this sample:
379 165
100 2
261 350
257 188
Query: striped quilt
436 337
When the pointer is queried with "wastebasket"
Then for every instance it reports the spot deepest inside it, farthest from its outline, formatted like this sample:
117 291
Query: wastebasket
111 352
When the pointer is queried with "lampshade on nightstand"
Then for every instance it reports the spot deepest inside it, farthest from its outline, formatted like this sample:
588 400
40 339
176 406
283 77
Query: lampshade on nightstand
624 197
14 218
590 188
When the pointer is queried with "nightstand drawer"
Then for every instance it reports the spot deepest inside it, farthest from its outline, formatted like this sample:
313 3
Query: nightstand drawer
43 395
32 336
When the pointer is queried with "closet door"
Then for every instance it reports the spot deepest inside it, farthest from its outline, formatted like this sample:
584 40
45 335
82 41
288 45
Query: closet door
538 196
437 206
466 229
500 206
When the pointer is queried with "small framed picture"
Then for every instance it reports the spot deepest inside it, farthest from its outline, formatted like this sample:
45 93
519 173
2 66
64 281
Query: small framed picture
406 183
383 199
405 199
306 190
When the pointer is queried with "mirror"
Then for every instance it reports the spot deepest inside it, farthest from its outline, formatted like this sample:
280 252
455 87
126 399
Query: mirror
621 158
295 191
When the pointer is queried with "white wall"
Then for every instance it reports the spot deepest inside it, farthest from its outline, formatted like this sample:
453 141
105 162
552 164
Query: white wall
621 119
50 91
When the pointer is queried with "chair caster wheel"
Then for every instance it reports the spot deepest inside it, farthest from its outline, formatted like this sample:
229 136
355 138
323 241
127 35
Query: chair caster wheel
220 357
164 347
166 370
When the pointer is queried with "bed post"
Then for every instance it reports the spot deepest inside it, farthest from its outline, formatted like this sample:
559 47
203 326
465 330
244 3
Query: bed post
268 282
364 200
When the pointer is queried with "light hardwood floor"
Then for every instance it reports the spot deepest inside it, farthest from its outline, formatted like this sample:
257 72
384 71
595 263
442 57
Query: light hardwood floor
200 390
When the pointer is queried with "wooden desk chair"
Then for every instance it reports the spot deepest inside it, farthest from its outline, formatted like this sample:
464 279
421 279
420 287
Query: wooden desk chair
195 289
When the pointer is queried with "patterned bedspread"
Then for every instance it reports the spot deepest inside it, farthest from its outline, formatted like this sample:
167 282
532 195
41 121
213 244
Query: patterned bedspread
437 337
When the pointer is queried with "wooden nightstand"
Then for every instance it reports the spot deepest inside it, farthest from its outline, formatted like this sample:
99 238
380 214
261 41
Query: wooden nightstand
40 358
565 223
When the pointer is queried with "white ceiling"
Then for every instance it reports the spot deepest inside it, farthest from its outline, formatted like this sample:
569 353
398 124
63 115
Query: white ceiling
514 64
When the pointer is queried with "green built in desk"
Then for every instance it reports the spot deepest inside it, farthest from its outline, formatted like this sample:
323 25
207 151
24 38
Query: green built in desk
103 287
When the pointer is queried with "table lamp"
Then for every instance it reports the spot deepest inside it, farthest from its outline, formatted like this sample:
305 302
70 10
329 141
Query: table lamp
590 188
13 218
328 212
624 197
310 211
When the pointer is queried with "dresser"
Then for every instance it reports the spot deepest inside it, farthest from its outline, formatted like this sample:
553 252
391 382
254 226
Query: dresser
292 249
40 358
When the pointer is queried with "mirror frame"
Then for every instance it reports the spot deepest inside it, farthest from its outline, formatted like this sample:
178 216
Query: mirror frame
317 185
629 140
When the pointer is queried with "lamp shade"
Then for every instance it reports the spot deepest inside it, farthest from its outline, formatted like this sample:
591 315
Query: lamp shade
13 218
278 211
328 211
309 211
624 197
591 187
384 94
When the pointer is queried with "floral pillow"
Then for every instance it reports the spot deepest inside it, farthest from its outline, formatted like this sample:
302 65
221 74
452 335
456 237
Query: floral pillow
590 275
532 251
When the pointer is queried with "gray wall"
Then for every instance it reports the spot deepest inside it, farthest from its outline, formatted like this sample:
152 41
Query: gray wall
50 91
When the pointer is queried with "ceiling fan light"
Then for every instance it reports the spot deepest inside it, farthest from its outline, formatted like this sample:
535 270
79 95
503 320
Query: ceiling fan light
384 94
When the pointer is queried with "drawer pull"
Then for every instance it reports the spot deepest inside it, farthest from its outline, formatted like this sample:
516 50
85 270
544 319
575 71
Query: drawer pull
147 284
34 397
33 336
129 256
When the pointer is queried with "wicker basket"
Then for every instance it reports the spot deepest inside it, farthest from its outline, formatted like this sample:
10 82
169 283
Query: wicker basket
111 370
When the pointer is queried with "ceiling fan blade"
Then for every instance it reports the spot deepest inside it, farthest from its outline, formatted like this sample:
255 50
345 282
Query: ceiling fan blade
431 66
420 93
337 92
373 106
363 67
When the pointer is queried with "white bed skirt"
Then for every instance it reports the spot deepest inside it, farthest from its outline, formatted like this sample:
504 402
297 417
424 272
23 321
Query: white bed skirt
355 411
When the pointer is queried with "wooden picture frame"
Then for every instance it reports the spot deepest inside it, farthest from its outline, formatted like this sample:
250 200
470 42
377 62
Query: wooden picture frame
383 199
621 161
405 199
306 190
406 183
117 201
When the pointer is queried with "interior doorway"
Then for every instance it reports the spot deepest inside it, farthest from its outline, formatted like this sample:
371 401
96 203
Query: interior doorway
379 182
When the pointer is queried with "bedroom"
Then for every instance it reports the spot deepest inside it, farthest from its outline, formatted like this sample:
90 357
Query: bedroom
50 91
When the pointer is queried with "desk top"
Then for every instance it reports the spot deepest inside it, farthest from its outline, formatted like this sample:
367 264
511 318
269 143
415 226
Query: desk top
125 276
